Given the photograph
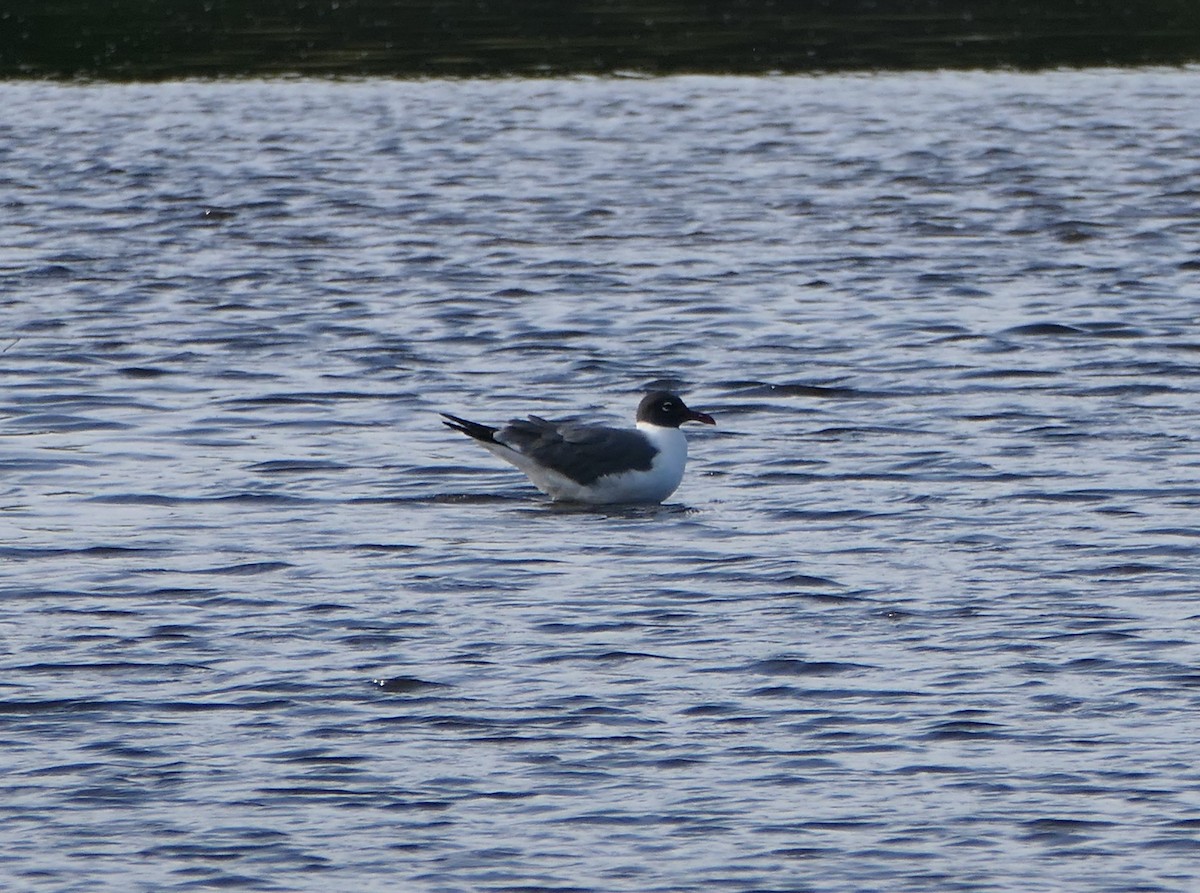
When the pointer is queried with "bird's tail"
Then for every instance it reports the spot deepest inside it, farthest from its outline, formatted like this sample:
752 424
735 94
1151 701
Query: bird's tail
471 429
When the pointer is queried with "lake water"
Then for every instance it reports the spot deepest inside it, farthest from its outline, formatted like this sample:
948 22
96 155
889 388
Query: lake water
922 616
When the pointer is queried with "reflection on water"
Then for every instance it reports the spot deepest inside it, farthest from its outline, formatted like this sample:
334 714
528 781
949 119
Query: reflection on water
922 616
135 40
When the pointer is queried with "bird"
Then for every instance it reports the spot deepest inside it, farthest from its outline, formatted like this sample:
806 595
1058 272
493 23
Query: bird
596 464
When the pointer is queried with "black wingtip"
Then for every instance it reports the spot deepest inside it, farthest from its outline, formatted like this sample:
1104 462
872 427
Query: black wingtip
469 428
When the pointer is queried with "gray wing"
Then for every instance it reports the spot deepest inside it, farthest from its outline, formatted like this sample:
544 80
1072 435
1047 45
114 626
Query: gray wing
584 453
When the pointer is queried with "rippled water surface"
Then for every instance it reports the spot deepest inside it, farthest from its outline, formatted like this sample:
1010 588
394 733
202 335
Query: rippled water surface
923 614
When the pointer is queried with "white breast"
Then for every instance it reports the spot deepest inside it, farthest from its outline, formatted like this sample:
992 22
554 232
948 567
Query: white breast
655 485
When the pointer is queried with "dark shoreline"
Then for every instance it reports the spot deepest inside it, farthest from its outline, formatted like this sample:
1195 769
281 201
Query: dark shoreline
141 40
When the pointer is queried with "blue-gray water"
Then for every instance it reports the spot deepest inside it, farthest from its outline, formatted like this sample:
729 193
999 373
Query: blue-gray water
923 615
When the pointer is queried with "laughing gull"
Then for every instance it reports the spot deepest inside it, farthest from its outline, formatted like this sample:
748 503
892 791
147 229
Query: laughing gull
593 463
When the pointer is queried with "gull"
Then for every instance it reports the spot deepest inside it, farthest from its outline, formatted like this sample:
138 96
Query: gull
596 464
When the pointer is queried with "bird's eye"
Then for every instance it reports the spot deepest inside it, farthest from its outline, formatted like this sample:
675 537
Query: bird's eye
668 406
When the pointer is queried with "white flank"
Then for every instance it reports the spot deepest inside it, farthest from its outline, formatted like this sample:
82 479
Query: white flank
654 485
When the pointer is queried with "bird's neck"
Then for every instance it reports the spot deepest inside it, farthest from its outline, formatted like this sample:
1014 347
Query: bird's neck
669 441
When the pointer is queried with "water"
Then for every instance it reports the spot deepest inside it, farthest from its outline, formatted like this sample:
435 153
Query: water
922 615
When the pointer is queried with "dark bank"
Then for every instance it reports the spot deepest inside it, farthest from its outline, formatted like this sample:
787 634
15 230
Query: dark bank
147 40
